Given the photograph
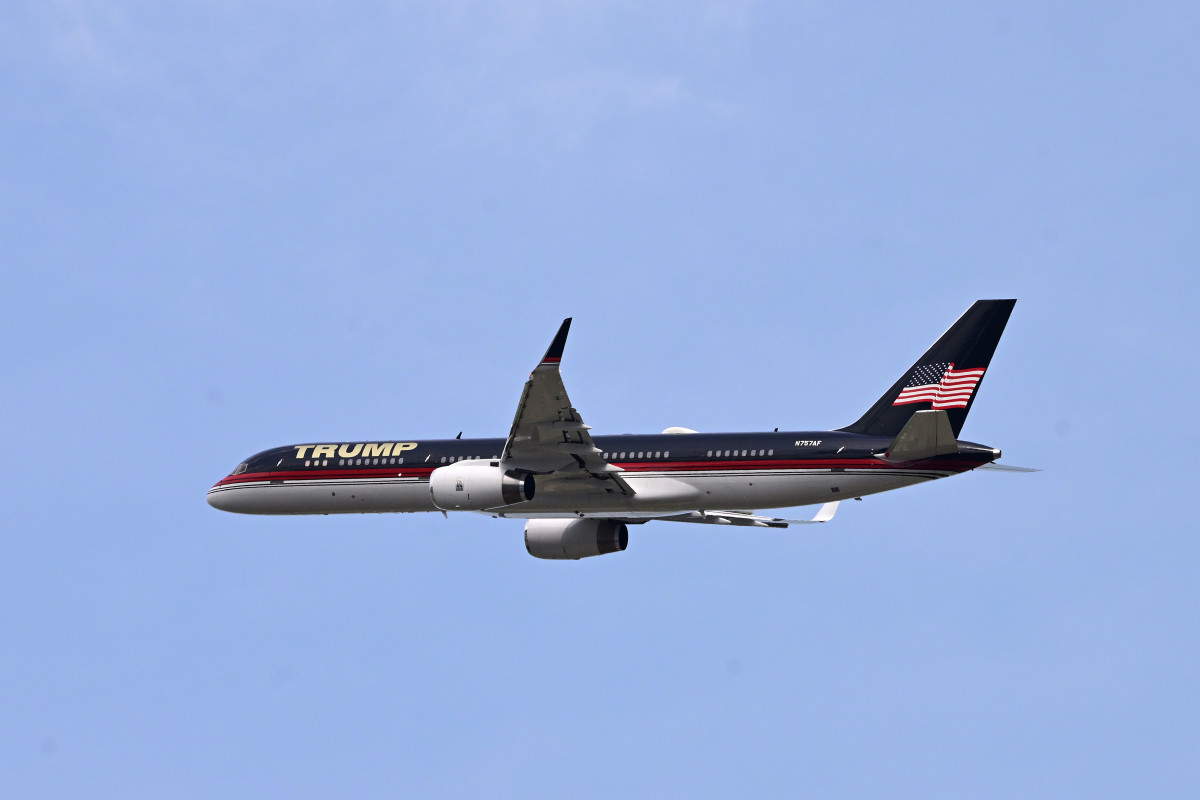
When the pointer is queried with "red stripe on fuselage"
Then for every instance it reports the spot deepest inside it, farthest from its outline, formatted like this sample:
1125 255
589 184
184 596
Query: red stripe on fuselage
326 474
633 467
788 464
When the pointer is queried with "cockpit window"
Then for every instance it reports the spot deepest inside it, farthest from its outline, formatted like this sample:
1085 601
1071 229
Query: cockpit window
240 468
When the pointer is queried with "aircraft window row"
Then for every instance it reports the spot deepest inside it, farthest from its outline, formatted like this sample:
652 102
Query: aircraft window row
729 453
358 462
452 459
639 454
318 463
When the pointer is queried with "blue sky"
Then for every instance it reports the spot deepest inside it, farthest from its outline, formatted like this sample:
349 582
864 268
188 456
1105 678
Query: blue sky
228 226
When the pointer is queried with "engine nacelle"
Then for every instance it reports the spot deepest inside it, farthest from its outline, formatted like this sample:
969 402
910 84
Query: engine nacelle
574 538
477 485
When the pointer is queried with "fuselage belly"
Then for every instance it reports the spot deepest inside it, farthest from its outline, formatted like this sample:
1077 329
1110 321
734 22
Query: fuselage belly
678 490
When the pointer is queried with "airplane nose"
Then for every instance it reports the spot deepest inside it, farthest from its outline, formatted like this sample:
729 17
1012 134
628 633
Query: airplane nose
214 498
237 498
219 499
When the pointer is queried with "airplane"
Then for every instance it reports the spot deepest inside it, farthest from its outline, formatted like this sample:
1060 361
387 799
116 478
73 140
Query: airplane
579 493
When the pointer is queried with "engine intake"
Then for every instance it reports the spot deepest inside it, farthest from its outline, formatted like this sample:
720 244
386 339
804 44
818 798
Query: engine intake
574 538
476 486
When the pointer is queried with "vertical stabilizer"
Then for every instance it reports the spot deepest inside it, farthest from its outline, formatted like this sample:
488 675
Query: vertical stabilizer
946 378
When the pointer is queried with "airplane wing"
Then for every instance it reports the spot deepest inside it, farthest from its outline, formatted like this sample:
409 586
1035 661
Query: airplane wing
824 514
549 436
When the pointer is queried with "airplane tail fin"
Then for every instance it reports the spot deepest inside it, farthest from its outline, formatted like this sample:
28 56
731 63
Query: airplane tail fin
946 378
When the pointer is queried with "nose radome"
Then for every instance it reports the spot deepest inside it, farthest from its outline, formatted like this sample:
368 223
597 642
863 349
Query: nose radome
218 499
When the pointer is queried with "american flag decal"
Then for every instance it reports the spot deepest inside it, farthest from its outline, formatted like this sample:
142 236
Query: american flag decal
940 384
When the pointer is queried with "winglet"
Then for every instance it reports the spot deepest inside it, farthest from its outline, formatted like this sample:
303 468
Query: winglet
826 512
555 351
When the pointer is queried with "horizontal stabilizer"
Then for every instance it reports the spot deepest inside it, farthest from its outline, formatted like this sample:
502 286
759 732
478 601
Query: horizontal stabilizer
1007 468
925 435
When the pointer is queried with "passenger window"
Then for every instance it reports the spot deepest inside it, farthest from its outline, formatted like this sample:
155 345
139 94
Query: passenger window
401 461
341 462
666 453
657 454
770 452
306 463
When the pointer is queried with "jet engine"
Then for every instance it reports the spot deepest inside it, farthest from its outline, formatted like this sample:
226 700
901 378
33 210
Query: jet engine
574 538
478 485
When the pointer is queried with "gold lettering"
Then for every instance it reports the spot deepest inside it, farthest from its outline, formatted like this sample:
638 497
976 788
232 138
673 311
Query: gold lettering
324 451
384 449
349 450
301 449
400 447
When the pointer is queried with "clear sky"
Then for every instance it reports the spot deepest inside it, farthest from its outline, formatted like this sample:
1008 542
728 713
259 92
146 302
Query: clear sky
226 226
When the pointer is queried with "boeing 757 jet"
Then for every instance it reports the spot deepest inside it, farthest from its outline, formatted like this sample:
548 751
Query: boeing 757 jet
579 493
